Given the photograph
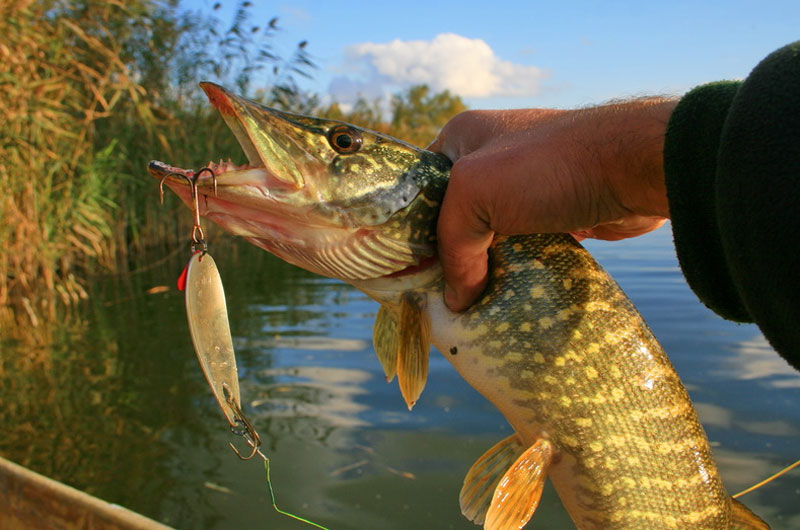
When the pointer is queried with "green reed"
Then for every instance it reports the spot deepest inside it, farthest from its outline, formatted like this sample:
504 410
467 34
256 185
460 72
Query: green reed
94 89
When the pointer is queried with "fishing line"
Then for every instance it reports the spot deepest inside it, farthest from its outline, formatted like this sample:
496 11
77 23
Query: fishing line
768 480
274 505
207 318
245 429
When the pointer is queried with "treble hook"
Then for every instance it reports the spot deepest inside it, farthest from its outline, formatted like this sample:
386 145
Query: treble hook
192 181
198 237
249 433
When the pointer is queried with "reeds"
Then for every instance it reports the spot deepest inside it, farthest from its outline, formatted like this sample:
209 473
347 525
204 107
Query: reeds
58 76
90 91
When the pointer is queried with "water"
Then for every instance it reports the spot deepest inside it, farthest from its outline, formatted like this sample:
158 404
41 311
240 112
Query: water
118 406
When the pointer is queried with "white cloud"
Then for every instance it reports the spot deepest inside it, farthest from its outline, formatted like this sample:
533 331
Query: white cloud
466 67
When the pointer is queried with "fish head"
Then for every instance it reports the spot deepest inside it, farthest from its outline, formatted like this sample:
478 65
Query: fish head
333 198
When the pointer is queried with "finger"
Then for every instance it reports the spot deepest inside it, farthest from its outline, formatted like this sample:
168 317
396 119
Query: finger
441 145
437 144
467 279
463 134
464 238
465 273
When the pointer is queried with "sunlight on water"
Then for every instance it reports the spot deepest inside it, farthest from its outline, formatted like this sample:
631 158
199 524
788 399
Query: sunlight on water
122 409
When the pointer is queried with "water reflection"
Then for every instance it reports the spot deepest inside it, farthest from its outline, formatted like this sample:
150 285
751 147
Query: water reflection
755 359
303 343
119 407
306 402
719 417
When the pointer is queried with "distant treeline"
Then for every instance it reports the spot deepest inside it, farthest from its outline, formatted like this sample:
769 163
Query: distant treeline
92 90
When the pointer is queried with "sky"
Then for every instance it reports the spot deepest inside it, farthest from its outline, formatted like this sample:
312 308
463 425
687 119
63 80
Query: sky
513 54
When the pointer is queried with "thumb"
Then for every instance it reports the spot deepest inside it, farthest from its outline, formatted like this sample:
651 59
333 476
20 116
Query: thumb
442 146
464 237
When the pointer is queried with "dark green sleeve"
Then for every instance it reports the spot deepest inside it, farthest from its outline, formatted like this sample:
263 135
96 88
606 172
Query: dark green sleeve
732 165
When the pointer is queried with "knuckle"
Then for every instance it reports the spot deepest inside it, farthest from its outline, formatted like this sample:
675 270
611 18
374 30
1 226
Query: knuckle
464 120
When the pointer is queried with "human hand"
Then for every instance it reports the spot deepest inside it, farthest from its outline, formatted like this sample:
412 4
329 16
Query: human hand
592 172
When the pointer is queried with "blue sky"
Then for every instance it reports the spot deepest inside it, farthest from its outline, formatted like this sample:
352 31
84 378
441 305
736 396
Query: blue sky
507 54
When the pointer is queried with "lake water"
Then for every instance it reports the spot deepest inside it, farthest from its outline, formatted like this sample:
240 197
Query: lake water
118 406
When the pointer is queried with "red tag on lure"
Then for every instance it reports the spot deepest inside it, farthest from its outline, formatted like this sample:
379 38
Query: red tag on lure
182 277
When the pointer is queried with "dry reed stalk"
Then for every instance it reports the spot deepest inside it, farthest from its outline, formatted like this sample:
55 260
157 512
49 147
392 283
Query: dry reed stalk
58 77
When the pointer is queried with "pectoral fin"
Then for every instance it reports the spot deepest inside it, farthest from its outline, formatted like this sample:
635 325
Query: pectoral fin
414 331
519 490
484 475
384 338
401 338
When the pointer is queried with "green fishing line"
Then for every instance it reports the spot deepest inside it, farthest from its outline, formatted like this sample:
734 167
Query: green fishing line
272 496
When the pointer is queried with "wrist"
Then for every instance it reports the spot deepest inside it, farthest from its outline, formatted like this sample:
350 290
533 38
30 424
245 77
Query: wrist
629 148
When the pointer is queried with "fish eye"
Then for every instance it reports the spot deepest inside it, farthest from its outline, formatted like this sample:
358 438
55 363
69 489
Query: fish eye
344 139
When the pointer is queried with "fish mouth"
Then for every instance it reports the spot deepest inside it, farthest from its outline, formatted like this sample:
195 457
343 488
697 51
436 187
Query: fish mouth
236 197
269 144
270 138
245 183
277 201
278 159
267 191
327 250
225 189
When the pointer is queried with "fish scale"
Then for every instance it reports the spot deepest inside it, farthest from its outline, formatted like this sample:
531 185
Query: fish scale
568 357
553 342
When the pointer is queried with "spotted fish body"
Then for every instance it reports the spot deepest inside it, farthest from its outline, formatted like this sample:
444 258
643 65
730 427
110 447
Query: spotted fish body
557 346
553 342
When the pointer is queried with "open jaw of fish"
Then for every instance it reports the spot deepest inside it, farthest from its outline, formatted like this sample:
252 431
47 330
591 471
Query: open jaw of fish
295 196
553 342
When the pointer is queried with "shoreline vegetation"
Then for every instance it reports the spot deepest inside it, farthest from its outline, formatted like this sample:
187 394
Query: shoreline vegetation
93 90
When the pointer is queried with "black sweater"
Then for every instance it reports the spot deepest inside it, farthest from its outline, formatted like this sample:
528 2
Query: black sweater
732 164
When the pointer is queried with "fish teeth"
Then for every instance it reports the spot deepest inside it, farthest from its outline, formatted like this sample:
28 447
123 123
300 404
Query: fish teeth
224 166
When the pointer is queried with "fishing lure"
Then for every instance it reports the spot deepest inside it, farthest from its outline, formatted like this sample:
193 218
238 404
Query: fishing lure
209 328
207 316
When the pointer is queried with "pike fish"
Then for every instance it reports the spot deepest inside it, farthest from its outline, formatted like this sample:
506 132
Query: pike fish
553 342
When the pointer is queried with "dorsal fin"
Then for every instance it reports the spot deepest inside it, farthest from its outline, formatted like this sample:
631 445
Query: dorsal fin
401 338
